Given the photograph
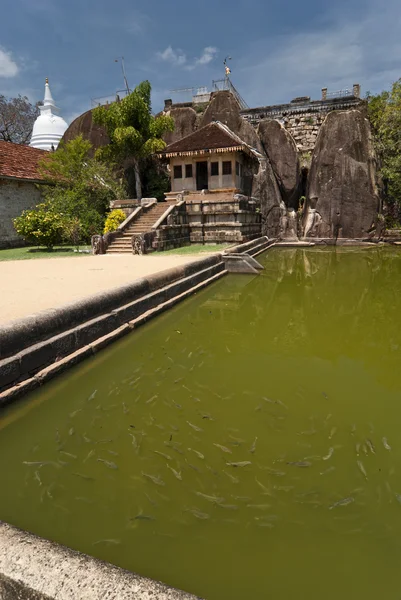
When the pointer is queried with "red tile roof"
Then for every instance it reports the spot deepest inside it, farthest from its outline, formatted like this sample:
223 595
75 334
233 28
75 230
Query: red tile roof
212 137
20 162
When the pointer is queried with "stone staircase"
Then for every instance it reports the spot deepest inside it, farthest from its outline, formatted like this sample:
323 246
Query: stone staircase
143 224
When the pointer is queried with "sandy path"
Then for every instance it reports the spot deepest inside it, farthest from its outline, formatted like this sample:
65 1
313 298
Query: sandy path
29 286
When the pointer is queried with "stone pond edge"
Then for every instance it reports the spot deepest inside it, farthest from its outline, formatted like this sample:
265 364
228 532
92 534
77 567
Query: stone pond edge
32 568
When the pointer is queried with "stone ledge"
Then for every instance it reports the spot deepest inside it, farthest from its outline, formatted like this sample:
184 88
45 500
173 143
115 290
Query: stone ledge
43 360
32 568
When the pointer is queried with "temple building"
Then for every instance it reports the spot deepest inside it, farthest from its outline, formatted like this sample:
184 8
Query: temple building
212 169
49 127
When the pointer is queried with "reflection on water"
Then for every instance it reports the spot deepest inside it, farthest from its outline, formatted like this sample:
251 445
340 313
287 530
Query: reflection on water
246 444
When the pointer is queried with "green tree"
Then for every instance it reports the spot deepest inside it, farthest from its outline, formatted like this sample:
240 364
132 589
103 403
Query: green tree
17 116
133 131
80 187
385 116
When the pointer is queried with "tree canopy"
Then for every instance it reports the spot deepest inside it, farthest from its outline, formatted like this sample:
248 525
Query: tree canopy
385 117
133 131
17 116
76 197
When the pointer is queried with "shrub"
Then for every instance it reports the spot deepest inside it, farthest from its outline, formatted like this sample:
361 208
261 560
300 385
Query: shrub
42 226
114 219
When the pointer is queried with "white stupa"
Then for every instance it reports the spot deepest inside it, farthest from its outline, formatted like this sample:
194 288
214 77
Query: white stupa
48 128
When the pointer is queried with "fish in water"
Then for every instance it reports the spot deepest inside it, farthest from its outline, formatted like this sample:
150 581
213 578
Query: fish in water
198 454
274 472
343 502
195 427
253 447
300 463
144 518
329 470
151 399
332 432
198 514
109 541
155 480
108 463
223 448
73 414
71 431
233 479
68 454
214 499
166 456
86 477
228 506
386 444
357 448
90 453
263 487
329 454
176 473
361 468
259 506
371 446
91 397
40 463
241 463
325 395
309 432
37 477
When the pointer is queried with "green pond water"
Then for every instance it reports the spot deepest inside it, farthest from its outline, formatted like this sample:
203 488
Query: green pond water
295 373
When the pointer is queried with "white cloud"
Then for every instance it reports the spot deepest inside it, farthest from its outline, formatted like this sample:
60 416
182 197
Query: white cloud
175 57
8 67
178 58
208 55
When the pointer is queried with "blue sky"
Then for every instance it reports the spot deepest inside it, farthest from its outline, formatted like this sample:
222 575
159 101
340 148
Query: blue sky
279 48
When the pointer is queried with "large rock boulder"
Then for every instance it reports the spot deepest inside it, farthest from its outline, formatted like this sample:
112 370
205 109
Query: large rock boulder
281 150
342 196
223 107
185 122
265 188
84 125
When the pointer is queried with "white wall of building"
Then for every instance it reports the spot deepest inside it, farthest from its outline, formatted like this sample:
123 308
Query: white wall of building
15 197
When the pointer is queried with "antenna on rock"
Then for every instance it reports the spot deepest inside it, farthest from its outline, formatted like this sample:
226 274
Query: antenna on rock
121 59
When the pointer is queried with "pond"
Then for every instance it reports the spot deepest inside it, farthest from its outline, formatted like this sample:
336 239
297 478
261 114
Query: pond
244 444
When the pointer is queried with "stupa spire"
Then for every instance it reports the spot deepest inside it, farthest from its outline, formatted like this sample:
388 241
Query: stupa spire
49 127
48 99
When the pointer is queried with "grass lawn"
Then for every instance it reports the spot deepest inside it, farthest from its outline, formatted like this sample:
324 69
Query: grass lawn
29 252
198 249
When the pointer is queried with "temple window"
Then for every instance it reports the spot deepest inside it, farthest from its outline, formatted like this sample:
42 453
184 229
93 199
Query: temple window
214 168
188 171
227 168
178 172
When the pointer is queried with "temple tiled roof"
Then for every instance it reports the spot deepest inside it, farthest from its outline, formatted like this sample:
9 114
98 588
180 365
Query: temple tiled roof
214 137
20 162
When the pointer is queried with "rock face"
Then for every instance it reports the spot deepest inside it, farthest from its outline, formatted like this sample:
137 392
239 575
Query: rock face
185 121
223 107
280 147
84 125
342 197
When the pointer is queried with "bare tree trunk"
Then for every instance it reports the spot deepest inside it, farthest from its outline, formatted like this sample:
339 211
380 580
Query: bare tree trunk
138 183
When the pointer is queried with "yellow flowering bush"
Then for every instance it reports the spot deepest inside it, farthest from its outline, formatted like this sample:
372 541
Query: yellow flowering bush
42 226
114 219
